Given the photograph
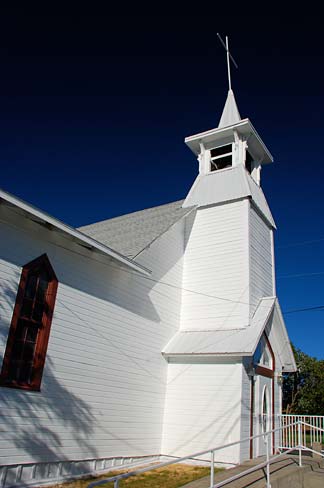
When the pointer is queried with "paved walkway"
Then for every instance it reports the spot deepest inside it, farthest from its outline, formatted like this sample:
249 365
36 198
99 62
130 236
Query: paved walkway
285 473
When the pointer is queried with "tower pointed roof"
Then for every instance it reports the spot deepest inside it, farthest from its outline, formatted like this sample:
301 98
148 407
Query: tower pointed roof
230 115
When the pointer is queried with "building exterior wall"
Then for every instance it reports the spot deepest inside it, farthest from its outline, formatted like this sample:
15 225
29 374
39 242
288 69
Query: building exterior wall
203 407
216 264
104 381
261 259
245 411
278 343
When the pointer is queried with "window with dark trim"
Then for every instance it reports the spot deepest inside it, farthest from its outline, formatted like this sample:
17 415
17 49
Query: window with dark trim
26 348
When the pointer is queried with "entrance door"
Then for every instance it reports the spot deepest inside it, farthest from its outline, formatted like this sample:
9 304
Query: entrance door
263 411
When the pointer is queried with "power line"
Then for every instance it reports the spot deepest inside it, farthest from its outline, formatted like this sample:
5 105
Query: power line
303 243
308 309
319 308
301 275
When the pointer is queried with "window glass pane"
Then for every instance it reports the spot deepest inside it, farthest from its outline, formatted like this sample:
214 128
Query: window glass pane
41 289
28 354
21 330
38 311
14 369
24 373
26 309
17 350
31 335
218 151
31 286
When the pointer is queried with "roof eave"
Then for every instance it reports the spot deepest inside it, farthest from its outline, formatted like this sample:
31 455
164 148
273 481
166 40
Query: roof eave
244 127
202 354
42 217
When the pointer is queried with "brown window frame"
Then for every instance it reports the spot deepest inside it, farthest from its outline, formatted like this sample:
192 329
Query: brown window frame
40 263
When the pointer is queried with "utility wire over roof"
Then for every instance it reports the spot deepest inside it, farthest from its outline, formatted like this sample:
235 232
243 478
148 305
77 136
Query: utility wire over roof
131 233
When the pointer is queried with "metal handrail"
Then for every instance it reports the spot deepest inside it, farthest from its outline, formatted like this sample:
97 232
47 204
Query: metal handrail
299 415
265 435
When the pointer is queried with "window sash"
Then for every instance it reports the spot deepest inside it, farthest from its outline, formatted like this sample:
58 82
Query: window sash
30 379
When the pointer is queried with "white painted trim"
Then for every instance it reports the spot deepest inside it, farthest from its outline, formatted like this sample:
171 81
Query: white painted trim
249 254
285 333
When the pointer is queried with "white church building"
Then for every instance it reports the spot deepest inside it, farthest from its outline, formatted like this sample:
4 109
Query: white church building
157 333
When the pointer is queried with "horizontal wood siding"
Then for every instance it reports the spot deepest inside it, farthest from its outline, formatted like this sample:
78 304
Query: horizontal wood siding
245 412
203 406
261 263
216 264
278 343
104 380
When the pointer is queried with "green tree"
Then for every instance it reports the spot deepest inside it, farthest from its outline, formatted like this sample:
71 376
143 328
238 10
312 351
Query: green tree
303 392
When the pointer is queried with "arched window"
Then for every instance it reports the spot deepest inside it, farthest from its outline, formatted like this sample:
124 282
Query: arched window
26 348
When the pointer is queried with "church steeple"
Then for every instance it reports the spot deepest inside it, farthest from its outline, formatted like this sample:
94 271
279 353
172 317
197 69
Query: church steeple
230 160
230 115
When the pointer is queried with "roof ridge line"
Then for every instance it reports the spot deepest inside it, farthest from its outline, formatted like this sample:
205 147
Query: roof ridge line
130 213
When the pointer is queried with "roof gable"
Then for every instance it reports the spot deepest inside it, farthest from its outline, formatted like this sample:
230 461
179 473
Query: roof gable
75 235
131 233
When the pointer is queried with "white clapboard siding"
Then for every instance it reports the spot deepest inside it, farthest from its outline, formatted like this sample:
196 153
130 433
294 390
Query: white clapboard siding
278 344
216 264
261 259
245 412
202 409
104 380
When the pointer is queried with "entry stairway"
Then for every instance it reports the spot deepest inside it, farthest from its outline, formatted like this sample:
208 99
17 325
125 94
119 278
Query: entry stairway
285 473
296 465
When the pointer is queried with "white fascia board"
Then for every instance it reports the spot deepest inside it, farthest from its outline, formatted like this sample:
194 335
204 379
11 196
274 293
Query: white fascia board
222 342
291 363
94 245
244 127
264 319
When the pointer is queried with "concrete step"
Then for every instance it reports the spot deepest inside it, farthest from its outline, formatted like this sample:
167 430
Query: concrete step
314 478
285 473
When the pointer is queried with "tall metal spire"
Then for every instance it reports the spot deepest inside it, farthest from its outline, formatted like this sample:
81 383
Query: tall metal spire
230 115
229 58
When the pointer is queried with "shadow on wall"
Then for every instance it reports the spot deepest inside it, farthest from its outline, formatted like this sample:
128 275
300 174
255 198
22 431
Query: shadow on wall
42 426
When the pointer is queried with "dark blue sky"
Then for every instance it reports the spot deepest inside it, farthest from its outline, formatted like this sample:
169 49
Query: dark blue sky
94 110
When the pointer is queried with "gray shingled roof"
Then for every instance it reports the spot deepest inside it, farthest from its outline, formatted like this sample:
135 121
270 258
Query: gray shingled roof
131 233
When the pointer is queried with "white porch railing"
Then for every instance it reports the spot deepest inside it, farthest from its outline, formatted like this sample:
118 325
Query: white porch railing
310 430
267 436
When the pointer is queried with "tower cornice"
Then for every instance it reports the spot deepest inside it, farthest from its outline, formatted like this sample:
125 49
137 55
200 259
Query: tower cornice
243 128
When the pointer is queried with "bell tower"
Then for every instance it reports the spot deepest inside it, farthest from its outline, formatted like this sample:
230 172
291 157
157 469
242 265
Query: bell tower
229 248
234 142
